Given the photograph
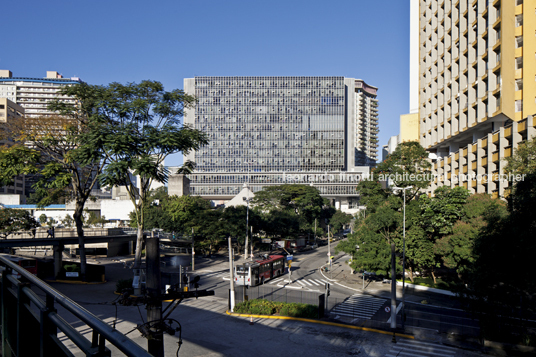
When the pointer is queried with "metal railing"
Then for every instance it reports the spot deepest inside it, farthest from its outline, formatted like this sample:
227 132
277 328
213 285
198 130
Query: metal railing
30 325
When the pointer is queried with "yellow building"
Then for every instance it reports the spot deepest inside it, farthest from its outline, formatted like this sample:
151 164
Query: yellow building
476 83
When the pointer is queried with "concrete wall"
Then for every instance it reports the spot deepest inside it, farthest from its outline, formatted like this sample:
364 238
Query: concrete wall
116 209
9 199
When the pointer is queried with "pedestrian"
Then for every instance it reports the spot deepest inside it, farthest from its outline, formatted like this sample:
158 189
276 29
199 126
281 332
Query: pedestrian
50 232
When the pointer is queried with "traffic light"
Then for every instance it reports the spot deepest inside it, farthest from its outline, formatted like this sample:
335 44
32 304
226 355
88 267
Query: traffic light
327 289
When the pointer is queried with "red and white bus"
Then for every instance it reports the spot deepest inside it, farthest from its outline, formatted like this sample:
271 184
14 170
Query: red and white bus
257 272
29 264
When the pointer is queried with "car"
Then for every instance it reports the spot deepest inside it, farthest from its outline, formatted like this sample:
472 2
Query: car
314 246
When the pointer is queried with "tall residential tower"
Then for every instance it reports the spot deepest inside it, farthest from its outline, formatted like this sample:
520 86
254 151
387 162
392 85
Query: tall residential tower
33 94
476 86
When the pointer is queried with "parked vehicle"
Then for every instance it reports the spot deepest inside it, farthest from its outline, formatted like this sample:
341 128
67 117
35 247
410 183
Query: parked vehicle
29 264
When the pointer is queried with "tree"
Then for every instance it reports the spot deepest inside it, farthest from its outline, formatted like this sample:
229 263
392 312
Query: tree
16 160
68 221
370 244
407 166
138 126
301 203
155 215
43 219
14 220
457 249
68 164
371 194
184 212
501 284
339 220
524 159
438 216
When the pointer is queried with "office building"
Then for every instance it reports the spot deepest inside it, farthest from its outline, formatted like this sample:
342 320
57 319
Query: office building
274 130
33 94
473 85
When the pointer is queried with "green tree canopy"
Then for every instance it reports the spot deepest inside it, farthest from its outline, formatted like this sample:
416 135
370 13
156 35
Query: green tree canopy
293 205
138 126
407 166
15 220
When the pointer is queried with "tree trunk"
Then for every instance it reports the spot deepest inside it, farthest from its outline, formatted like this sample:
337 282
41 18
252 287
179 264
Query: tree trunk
411 274
139 244
433 276
77 215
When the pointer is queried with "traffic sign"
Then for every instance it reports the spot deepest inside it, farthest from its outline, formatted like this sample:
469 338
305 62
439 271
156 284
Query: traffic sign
387 309
289 257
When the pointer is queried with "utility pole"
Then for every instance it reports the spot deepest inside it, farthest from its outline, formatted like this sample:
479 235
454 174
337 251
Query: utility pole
393 288
329 254
247 221
155 345
231 292
193 250
315 230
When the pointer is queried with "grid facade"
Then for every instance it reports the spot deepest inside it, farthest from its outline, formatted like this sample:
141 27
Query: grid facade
271 124
261 129
477 70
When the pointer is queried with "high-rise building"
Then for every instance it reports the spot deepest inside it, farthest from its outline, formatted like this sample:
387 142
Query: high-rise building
33 94
274 130
476 94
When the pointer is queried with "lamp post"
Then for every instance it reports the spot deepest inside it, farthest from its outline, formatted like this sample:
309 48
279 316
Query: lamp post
403 253
247 199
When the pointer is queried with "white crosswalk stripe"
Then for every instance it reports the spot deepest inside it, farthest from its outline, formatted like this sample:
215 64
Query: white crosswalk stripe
306 283
358 306
414 348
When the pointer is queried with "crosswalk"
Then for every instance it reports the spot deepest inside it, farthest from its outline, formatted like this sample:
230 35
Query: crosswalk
358 306
282 281
414 348
301 282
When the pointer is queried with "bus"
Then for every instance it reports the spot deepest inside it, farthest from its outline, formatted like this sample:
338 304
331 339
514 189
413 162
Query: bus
257 272
29 264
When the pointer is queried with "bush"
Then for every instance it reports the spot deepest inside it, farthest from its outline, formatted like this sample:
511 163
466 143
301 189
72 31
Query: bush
123 284
299 310
266 307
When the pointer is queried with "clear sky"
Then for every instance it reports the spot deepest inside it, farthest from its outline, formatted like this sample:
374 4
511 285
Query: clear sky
103 41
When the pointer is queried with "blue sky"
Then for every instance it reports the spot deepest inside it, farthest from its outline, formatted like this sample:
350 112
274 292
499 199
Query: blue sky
128 41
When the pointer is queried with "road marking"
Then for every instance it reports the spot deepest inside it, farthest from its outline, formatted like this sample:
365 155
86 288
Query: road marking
359 306
420 349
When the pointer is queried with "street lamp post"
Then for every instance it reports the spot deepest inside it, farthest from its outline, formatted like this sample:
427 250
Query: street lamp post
403 254
247 199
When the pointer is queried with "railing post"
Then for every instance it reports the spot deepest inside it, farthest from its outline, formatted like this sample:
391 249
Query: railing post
46 328
5 317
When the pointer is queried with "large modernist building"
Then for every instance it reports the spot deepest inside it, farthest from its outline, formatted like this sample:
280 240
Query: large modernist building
274 130
33 94
473 86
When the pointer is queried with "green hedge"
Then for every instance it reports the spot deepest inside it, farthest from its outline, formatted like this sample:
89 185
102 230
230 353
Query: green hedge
267 307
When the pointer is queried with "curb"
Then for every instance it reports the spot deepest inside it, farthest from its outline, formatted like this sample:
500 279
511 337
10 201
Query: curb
321 323
426 288
76 282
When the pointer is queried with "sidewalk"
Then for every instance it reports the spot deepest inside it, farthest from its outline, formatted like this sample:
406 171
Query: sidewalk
341 274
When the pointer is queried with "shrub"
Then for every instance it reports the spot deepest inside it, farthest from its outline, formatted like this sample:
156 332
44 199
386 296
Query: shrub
266 307
299 310
123 284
